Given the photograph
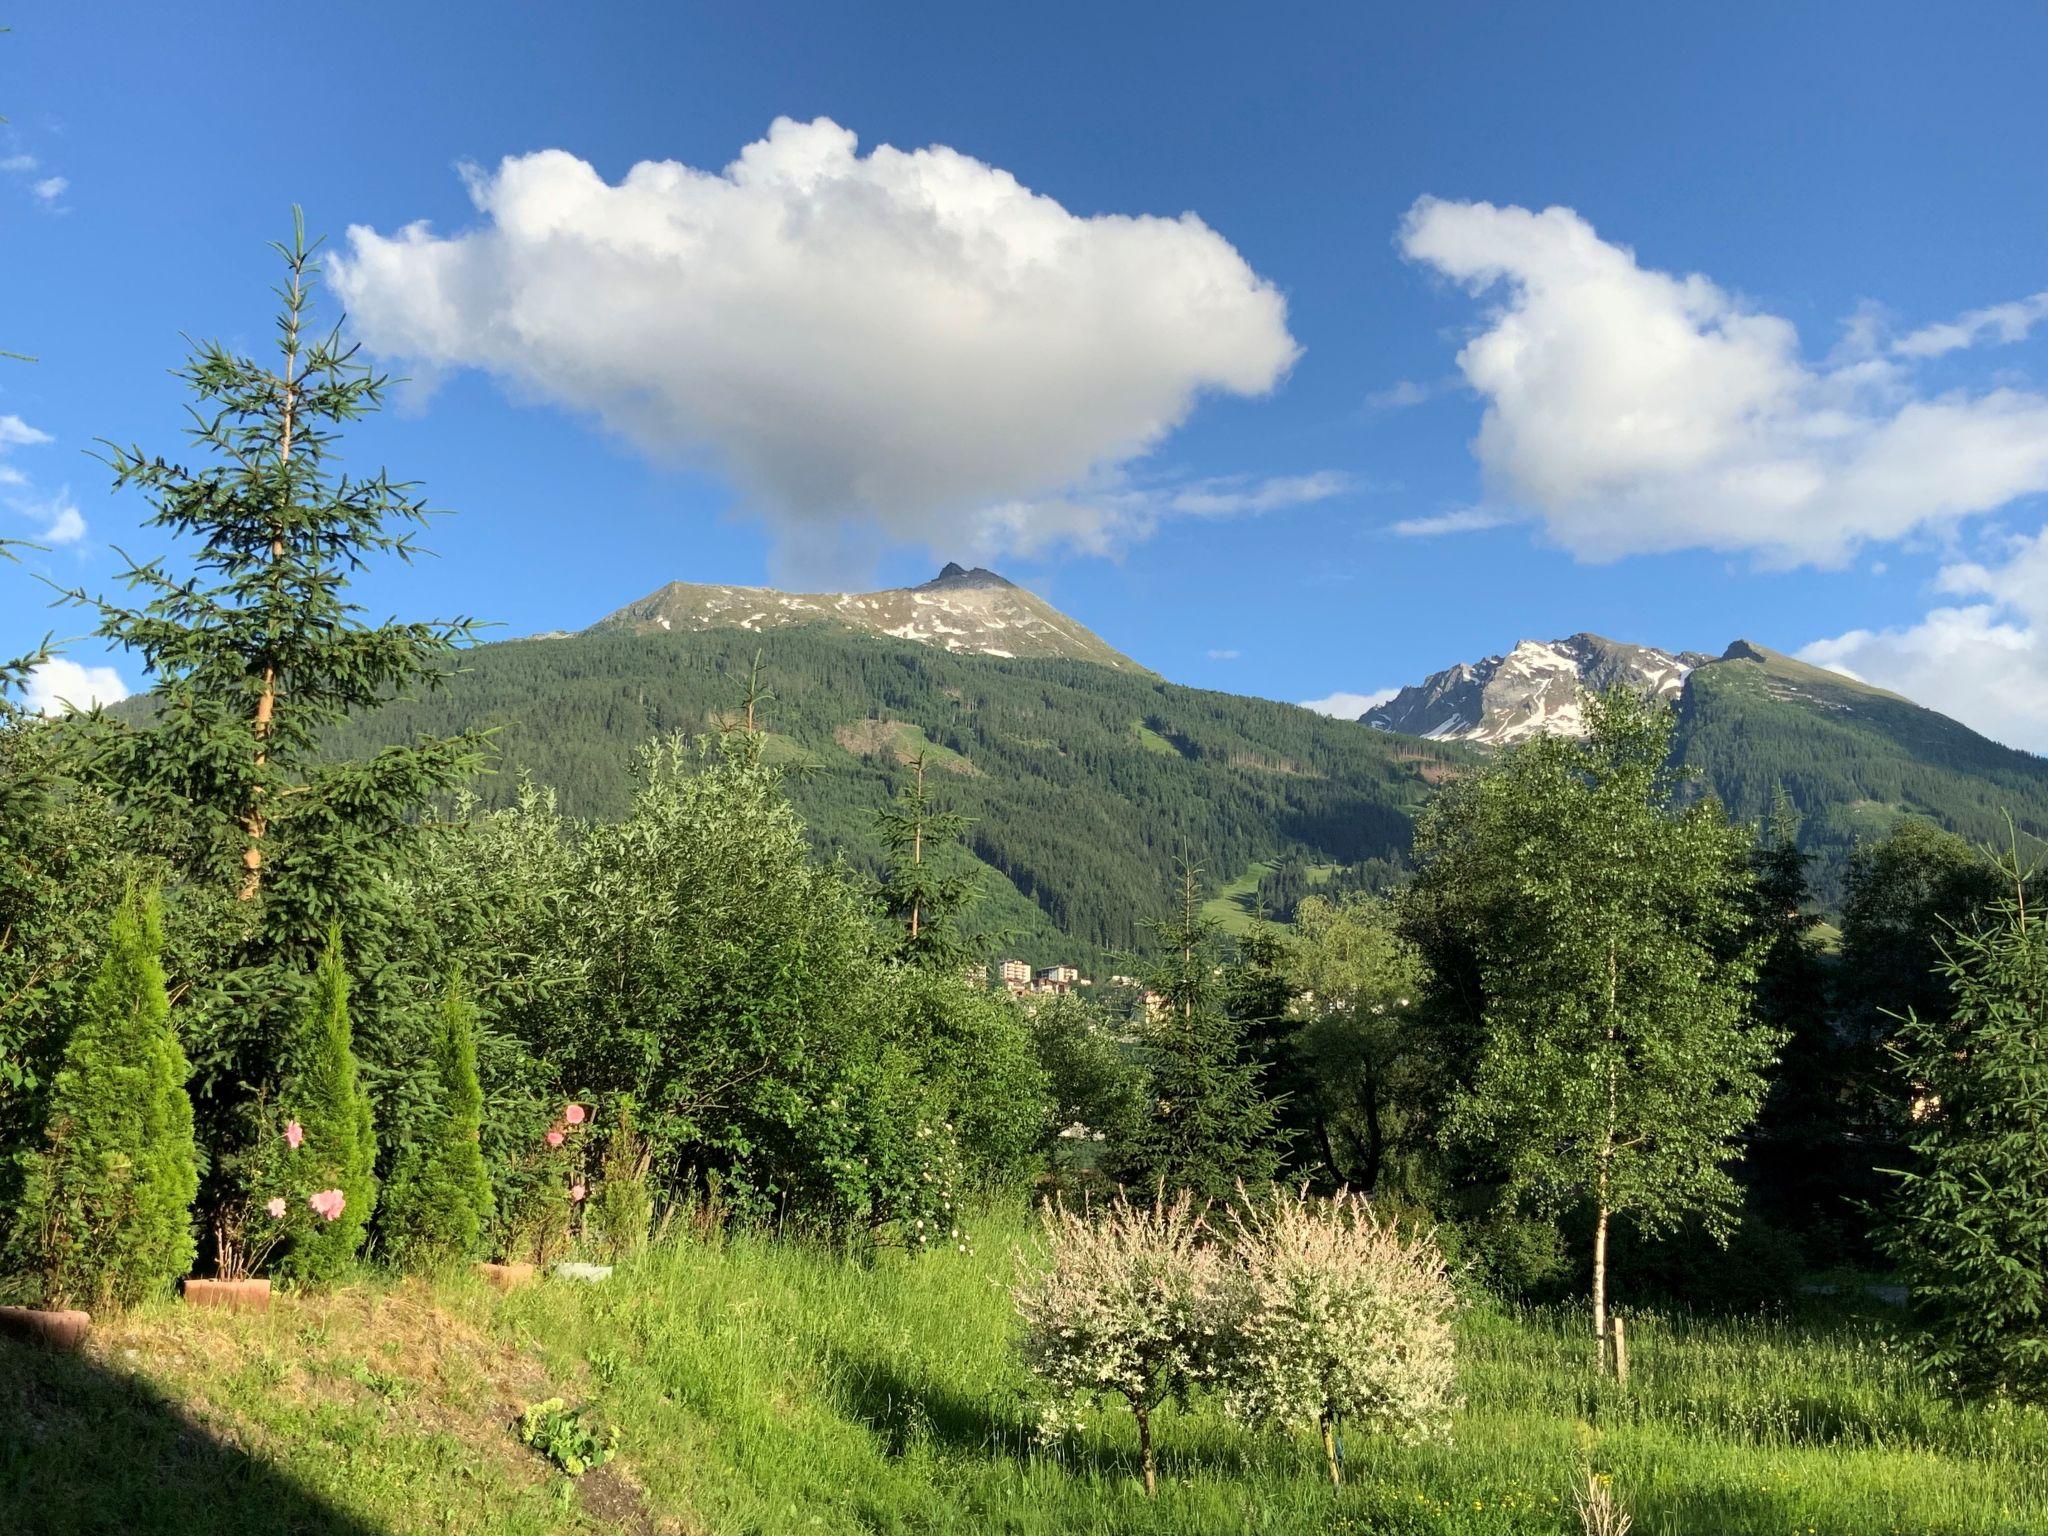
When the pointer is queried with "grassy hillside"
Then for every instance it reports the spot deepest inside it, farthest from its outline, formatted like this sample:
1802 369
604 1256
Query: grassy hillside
1084 784
763 1389
1854 759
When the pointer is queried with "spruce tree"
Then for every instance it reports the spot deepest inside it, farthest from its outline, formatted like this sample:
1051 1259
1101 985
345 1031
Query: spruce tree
112 1200
254 656
1208 1124
1970 1219
337 1151
916 892
439 1201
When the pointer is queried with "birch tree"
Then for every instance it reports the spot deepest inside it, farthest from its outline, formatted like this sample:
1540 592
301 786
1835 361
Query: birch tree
1618 1063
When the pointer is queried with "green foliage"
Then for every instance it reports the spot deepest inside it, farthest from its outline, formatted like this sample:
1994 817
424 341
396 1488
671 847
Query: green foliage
1606 931
110 1207
917 891
565 1437
254 655
323 1094
1093 1082
1971 1214
1208 1124
620 1213
1353 1061
438 1203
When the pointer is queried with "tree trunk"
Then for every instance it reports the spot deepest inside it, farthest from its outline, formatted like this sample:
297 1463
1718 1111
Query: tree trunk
1375 1137
1600 1355
1144 1416
1331 1453
1600 1283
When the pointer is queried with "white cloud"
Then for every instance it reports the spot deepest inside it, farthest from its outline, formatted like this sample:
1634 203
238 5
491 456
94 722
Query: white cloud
1984 663
912 339
50 188
1224 655
67 523
1397 396
1349 706
1639 411
57 685
62 522
19 165
1462 520
16 433
1997 322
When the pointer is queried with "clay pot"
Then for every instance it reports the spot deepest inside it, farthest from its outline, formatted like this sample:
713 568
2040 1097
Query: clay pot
58 1330
235 1295
506 1276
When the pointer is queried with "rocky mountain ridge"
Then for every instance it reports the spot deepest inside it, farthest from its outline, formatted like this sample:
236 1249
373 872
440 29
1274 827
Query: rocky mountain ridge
968 612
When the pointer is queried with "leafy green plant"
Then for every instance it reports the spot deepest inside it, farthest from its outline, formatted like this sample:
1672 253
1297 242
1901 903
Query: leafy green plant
565 1437
332 1144
439 1202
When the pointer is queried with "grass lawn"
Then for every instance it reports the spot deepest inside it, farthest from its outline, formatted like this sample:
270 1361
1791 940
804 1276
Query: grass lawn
773 1389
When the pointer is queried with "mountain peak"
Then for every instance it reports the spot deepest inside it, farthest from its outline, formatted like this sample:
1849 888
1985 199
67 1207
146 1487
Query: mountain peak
1532 689
969 612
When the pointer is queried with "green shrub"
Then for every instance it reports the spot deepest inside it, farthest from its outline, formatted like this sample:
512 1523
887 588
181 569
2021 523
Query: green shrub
439 1201
112 1198
330 1171
620 1212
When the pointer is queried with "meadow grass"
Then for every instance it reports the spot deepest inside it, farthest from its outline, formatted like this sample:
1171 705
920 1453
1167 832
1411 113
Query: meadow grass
765 1387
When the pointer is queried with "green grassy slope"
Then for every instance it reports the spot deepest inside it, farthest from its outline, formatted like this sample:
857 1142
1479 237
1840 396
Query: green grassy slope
1854 759
1084 784
764 1389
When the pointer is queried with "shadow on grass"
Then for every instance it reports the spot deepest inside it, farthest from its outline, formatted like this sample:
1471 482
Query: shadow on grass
903 1411
85 1449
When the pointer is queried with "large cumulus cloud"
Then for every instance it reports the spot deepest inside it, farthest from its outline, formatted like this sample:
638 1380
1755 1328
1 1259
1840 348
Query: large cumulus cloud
912 338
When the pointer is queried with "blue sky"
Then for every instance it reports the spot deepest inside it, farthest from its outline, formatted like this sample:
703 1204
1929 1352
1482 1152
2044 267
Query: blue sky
1774 364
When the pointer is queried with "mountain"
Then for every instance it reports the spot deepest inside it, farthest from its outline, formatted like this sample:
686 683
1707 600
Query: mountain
1534 688
1853 759
970 613
1085 780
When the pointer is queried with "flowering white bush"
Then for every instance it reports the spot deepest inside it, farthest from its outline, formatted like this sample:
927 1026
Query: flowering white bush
1123 1303
1334 1315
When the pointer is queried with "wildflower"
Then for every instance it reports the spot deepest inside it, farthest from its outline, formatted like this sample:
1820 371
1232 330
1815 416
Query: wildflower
554 1138
327 1203
577 1192
275 1206
574 1114
294 1133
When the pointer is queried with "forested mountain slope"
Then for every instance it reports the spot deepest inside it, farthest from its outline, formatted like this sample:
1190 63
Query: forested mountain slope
1853 759
1084 782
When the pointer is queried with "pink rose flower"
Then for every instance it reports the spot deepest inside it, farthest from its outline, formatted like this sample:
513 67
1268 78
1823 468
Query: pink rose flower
577 1191
574 1114
275 1207
328 1203
294 1133
554 1138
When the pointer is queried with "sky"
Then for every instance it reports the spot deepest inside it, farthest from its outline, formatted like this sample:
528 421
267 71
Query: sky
1298 351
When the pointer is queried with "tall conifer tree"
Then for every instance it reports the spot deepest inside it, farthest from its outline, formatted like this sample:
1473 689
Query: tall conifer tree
112 1201
916 891
324 1097
439 1202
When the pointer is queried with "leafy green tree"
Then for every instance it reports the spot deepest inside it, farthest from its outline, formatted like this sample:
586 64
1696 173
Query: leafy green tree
111 1204
1618 1064
254 655
1970 1217
336 1151
916 892
438 1203
1092 1082
1355 1047
1208 1123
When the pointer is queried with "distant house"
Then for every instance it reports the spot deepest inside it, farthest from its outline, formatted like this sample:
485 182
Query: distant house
1059 975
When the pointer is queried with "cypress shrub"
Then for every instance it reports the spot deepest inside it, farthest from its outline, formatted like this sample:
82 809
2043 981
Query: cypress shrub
332 1166
112 1199
439 1202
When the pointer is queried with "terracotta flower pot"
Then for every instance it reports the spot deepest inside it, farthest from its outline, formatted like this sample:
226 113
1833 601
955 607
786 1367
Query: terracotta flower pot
58 1330
506 1276
235 1295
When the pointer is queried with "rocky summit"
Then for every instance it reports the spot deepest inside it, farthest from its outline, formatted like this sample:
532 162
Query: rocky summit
968 612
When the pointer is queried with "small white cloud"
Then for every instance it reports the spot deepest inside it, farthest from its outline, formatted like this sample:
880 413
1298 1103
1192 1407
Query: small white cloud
1399 396
57 685
1984 663
1349 706
67 524
1996 323
50 188
1224 655
16 433
911 341
1638 411
19 165
1464 520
